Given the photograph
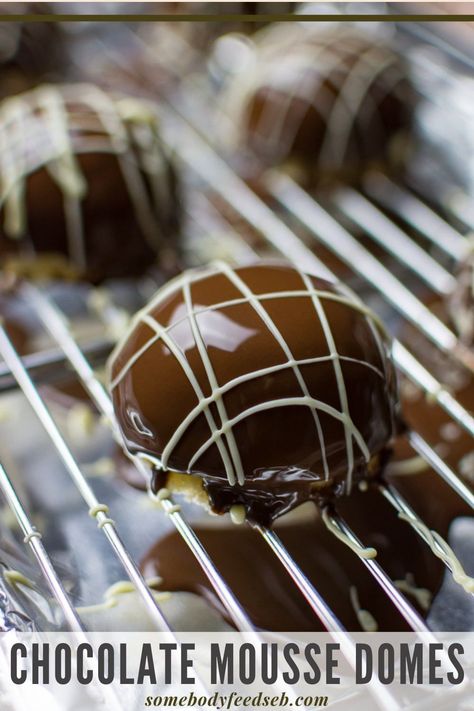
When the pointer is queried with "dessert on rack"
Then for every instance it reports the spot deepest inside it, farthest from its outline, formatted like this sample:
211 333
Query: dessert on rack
88 189
324 103
255 389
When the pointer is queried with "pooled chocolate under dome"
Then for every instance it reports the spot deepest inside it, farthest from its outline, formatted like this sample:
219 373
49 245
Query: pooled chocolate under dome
84 175
330 101
272 386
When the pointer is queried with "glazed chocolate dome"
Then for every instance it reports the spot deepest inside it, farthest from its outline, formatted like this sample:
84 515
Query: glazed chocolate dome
328 102
271 385
461 302
84 177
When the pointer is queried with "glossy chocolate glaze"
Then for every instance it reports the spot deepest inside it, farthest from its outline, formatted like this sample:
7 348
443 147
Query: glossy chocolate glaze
328 102
86 178
279 447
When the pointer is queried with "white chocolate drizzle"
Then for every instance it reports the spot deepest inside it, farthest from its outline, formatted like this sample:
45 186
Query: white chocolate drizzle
123 587
341 75
30 536
333 528
221 433
51 126
423 596
14 578
366 620
407 467
237 514
102 467
443 551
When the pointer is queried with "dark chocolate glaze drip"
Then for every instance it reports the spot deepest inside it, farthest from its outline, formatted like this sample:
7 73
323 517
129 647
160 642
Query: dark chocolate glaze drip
267 593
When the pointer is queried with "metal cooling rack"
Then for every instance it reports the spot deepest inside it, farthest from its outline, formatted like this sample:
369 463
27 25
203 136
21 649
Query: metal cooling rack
182 131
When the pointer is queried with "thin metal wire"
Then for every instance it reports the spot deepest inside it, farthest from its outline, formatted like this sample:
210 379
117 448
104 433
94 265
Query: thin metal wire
48 363
394 240
416 213
439 465
413 369
33 539
398 502
312 596
193 151
327 230
104 521
56 324
406 610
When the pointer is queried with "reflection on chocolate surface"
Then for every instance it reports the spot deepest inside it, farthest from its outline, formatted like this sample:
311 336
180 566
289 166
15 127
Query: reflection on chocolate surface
86 184
329 102
273 601
273 386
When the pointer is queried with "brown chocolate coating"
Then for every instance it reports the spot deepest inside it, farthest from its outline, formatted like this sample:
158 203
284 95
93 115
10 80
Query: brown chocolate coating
461 301
85 176
327 102
271 401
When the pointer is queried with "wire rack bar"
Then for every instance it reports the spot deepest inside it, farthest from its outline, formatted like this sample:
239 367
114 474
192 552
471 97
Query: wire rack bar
46 364
103 518
398 502
439 465
56 324
312 596
416 213
195 152
381 694
327 230
460 205
453 199
391 238
406 610
413 369
32 538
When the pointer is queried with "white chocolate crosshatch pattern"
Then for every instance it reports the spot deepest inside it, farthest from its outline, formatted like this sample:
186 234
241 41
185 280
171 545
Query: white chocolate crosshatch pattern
213 406
50 127
339 77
